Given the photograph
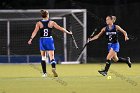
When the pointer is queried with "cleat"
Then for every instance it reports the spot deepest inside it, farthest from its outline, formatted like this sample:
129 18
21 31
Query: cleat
54 72
44 75
129 62
104 73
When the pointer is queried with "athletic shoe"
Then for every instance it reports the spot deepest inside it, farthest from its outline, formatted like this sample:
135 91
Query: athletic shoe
104 73
129 62
54 72
44 75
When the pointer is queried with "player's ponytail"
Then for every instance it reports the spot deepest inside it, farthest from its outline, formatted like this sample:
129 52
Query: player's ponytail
114 19
44 13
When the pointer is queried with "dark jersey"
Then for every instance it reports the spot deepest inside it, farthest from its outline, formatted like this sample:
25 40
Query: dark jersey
45 31
111 34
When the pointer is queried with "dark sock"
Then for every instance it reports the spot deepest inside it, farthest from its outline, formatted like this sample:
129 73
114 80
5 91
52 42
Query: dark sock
108 63
123 59
53 63
43 64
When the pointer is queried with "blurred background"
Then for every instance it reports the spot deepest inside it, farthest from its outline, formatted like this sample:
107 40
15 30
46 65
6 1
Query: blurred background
126 11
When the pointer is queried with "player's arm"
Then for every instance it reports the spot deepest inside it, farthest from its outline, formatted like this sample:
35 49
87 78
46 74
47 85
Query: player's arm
34 33
55 25
98 35
122 31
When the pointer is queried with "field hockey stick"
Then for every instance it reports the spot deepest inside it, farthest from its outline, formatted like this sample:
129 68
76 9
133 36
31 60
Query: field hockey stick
82 50
74 41
131 37
76 46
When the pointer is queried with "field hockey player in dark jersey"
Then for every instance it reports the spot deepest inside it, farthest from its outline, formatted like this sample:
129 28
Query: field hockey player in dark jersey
111 32
45 27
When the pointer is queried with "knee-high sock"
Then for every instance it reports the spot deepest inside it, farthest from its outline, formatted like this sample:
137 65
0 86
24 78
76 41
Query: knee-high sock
53 63
108 63
43 64
122 59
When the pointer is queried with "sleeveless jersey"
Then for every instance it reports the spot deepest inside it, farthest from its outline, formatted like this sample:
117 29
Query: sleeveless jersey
45 31
111 34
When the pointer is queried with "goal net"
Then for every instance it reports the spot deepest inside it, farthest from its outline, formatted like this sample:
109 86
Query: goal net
16 27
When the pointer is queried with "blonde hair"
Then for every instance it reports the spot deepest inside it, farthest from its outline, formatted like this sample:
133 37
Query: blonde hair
114 19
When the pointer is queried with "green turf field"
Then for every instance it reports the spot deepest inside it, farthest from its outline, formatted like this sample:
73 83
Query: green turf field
84 78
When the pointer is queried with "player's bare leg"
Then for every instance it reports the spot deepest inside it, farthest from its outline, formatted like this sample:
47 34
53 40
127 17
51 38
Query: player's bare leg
43 63
53 63
115 58
108 62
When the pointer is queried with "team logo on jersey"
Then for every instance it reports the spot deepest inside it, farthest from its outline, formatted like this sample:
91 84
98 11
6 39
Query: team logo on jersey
111 33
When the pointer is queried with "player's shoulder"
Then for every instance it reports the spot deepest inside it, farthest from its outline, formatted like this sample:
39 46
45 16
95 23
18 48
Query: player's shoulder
39 22
117 26
104 28
51 21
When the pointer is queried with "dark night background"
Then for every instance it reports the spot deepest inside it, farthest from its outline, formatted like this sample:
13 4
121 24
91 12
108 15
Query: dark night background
126 11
